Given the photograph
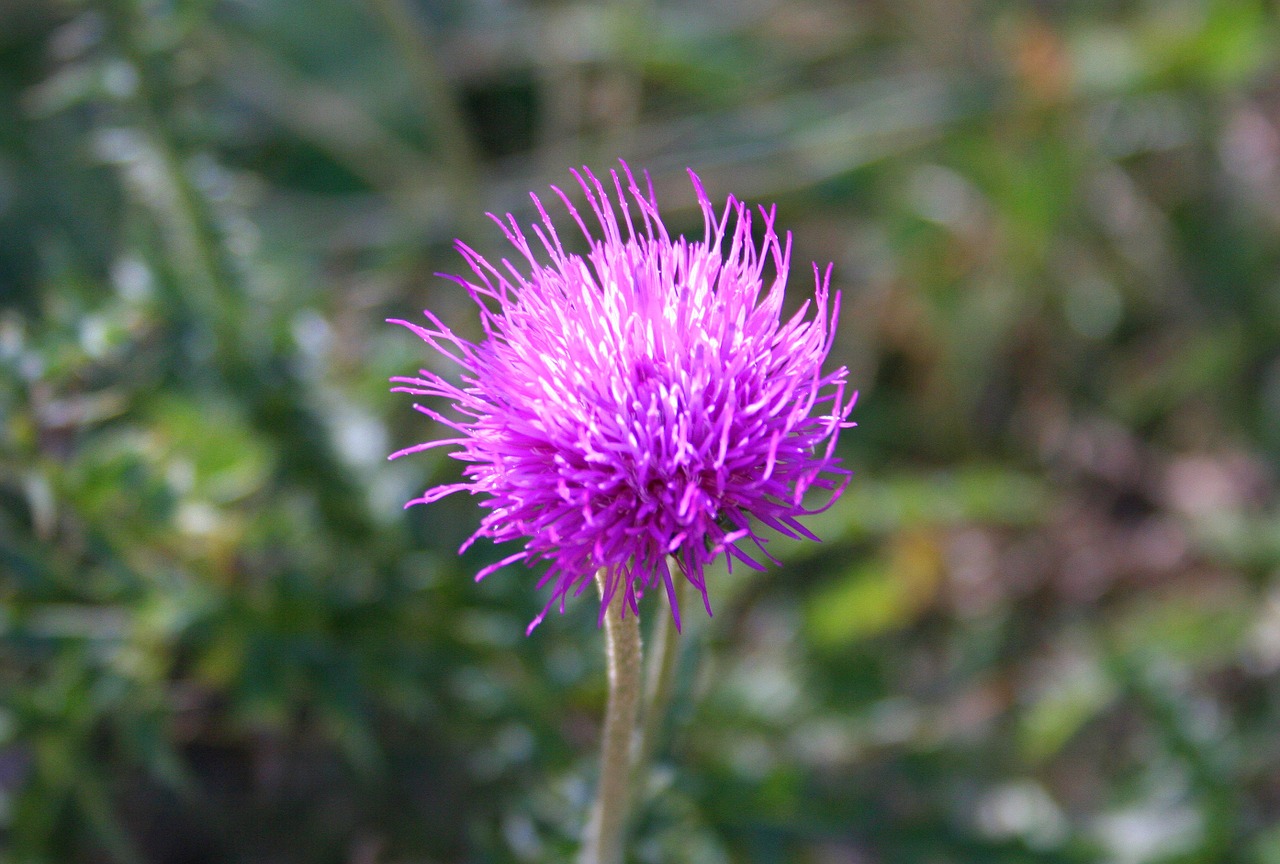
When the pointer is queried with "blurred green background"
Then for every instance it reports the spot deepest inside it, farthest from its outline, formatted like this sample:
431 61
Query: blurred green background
1044 625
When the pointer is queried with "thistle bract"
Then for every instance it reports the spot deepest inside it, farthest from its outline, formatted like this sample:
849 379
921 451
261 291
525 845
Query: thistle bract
641 404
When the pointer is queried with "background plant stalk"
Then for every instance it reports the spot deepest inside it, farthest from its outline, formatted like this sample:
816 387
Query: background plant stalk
664 652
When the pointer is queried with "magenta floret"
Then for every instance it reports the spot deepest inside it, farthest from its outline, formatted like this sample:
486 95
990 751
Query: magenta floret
641 402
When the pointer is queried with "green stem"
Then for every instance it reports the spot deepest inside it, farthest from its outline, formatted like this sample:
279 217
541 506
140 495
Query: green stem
603 841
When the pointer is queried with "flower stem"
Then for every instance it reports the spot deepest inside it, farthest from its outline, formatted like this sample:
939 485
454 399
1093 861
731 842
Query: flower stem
603 841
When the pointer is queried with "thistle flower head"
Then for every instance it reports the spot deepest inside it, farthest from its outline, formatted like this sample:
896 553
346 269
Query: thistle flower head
641 404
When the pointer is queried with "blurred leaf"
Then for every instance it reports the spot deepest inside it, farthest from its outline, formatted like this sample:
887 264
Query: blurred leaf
877 596
1170 374
979 493
1266 847
1063 706
1224 42
1192 628
221 467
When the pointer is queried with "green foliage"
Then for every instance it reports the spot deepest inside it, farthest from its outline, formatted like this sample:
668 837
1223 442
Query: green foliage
1044 624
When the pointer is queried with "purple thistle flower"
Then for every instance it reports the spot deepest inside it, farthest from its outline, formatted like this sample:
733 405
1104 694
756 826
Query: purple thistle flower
640 402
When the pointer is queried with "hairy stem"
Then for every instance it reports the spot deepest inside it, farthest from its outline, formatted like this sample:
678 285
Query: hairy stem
603 841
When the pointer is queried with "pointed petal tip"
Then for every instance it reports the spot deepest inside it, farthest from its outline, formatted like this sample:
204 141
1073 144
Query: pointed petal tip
533 625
